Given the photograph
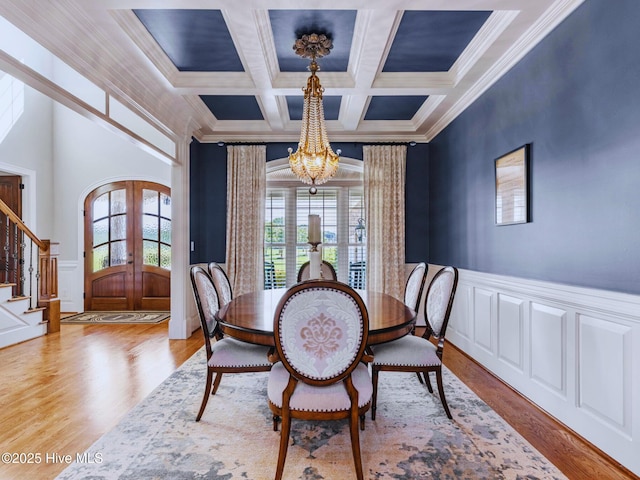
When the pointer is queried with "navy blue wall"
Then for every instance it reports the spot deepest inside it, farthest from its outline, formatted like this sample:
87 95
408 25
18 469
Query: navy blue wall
208 202
208 185
576 99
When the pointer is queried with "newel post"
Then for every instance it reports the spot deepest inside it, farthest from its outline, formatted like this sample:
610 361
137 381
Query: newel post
48 289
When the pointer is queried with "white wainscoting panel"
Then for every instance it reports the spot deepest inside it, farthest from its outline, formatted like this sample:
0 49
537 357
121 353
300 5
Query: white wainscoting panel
511 330
71 286
548 341
605 346
482 318
461 315
573 351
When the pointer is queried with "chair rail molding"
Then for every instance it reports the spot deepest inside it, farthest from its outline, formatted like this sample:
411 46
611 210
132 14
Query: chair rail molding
573 351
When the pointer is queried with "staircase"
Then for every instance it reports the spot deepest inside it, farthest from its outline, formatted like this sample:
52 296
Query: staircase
29 304
18 322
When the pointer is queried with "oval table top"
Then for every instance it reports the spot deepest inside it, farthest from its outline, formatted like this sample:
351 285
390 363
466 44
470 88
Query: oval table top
249 317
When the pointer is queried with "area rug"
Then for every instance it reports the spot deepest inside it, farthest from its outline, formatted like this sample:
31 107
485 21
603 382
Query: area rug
410 439
117 317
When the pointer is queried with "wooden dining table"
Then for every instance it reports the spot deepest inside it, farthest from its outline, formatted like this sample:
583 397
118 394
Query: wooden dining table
249 317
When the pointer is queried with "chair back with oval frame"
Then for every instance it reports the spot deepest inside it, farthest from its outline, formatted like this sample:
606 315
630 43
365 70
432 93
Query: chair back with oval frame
321 329
225 355
415 285
418 354
221 282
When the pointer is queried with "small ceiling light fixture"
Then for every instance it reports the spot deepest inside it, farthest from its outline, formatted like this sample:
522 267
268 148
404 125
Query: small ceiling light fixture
314 162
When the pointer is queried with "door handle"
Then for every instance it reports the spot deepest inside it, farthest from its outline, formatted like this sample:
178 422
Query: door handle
130 262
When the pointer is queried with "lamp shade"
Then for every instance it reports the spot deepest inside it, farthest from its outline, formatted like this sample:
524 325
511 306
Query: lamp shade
314 229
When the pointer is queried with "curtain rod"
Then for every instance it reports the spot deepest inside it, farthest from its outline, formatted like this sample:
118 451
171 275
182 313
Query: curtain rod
223 144
412 143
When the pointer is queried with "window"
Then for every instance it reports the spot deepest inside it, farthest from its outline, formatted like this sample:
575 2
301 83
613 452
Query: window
275 247
109 213
357 241
325 204
156 229
109 230
287 213
340 205
11 103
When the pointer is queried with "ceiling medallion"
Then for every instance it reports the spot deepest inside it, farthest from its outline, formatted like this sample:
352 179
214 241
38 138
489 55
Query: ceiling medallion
314 162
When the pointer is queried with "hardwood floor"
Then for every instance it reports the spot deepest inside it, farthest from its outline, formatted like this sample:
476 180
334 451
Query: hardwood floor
576 458
61 392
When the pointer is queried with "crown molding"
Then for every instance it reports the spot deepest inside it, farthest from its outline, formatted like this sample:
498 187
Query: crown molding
540 29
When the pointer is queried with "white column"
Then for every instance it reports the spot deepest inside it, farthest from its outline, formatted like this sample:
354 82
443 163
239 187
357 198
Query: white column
183 319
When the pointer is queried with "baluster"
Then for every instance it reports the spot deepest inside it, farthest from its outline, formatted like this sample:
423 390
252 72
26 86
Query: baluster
38 275
6 251
31 276
22 247
14 256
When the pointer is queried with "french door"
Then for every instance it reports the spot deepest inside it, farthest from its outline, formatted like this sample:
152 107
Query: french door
128 247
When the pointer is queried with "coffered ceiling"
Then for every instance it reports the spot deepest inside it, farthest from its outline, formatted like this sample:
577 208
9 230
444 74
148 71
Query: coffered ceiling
225 70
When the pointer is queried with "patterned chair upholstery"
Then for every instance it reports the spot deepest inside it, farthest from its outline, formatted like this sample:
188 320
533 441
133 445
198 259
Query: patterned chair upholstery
414 286
321 329
413 353
221 283
326 270
225 355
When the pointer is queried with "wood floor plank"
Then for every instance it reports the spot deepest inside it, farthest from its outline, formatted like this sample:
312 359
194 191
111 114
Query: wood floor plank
61 392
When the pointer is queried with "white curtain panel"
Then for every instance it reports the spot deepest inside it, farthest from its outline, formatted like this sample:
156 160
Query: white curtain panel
384 185
246 193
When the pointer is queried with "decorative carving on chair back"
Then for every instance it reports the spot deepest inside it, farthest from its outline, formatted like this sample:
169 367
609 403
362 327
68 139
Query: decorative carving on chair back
321 332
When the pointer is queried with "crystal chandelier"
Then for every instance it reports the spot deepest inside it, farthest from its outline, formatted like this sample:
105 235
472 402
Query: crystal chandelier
314 162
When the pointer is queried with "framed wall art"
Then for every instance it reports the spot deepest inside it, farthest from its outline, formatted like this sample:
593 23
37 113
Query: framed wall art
512 187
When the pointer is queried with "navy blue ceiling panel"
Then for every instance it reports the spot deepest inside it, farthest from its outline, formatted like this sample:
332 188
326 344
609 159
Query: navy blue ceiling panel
431 41
194 40
289 25
233 107
330 105
389 107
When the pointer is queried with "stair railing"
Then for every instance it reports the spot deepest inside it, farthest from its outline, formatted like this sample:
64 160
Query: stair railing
19 245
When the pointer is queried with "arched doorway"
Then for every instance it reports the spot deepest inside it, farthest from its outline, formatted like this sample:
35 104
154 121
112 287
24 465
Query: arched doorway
128 247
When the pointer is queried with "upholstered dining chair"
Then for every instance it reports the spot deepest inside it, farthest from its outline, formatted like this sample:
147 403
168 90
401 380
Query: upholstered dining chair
225 355
414 286
413 353
321 329
326 270
220 282
413 292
